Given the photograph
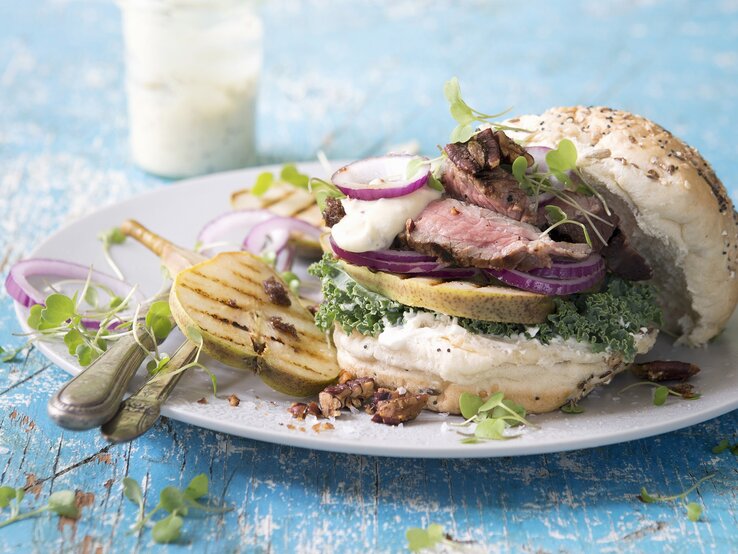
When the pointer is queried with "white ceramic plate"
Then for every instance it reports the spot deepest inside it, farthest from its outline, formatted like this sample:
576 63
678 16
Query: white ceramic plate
178 211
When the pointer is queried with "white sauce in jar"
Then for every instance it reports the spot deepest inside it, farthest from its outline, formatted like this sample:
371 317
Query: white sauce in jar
192 79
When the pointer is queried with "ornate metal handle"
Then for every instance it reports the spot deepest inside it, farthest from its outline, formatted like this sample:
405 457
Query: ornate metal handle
92 397
139 412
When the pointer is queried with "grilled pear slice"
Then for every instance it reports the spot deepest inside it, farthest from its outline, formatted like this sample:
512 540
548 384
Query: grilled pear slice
286 200
248 319
486 302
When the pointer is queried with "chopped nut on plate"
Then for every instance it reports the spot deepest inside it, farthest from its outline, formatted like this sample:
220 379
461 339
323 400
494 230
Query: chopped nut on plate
336 397
234 400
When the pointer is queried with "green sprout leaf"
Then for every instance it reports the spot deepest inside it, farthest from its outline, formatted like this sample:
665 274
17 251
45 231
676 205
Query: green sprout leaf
12 354
469 404
197 488
452 90
64 503
694 511
73 339
492 402
322 190
34 316
659 395
462 133
414 166
647 498
491 429
156 366
167 530
435 184
555 213
132 491
519 168
112 236
85 355
722 446
59 308
6 495
158 319
572 408
420 539
263 183
291 175
563 158
171 499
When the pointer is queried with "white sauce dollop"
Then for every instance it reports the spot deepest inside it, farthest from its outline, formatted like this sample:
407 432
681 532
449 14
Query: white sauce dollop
374 224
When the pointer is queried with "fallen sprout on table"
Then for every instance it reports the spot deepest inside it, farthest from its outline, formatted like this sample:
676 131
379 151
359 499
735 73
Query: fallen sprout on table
176 502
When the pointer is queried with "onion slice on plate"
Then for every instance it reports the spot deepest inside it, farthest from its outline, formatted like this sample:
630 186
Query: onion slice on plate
547 286
273 235
21 290
380 177
230 227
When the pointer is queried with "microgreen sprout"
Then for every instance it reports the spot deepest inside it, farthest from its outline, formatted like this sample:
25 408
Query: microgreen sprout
292 280
694 510
492 416
63 503
322 190
109 238
289 174
176 502
561 162
662 392
724 445
434 165
465 116
419 539
558 217
8 355
61 317
572 408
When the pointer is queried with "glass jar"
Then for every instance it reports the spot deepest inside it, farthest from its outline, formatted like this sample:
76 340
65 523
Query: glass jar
192 74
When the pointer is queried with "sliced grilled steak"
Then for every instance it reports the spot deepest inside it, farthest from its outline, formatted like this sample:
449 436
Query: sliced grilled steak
479 153
472 173
622 259
511 150
495 189
472 236
574 232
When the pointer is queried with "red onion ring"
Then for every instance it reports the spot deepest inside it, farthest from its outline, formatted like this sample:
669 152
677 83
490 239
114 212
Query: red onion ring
355 179
22 291
543 285
406 262
227 226
571 269
275 231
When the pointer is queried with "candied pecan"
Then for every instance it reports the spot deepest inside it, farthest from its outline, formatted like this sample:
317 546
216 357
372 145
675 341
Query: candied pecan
300 410
687 390
401 409
276 292
665 370
285 327
333 212
234 400
344 376
381 395
351 393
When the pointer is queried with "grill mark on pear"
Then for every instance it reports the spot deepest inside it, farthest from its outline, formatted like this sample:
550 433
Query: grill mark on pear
224 284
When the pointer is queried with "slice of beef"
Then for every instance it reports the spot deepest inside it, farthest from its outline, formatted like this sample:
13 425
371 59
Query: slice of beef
574 232
495 189
472 173
473 236
479 153
623 260
511 150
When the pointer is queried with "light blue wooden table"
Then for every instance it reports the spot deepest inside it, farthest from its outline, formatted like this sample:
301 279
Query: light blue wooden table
355 78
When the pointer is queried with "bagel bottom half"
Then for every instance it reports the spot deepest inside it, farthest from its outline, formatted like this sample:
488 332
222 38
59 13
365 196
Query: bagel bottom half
540 377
